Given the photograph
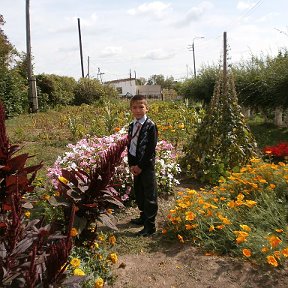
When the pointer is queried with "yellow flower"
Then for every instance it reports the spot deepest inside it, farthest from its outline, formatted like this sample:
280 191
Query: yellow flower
75 262
112 240
113 257
250 203
27 214
46 197
272 261
99 283
245 227
63 180
95 245
73 232
78 272
180 238
101 238
57 194
211 228
246 252
181 126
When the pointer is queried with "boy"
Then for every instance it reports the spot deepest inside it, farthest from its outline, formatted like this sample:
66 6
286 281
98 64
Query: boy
141 159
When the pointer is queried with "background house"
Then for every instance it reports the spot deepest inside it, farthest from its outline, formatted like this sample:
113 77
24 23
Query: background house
125 87
128 88
150 91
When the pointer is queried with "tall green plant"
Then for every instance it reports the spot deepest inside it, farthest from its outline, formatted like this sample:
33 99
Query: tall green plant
223 141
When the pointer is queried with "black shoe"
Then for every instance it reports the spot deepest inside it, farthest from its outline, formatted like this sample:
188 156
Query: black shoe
146 232
137 221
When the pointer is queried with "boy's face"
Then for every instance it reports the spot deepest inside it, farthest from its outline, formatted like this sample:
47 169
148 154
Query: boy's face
139 108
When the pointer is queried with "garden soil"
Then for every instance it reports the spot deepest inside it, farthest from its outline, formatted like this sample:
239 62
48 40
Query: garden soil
153 262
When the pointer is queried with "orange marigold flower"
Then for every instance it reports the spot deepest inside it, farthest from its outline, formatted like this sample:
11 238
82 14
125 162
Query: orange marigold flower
220 227
112 240
246 252
164 231
277 254
264 249
274 241
272 261
272 186
190 216
188 227
279 230
285 252
73 232
117 129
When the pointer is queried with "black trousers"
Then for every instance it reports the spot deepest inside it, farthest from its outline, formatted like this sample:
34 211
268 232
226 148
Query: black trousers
145 189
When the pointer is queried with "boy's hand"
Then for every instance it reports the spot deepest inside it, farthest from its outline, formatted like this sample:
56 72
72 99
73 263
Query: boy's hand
135 170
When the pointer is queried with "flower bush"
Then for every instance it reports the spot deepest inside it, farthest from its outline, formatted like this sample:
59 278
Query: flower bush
93 261
245 216
277 152
86 155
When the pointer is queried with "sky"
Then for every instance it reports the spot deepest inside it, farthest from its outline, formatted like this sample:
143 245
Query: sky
144 38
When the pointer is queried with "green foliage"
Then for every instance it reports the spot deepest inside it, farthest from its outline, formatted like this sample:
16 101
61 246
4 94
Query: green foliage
223 141
59 90
88 91
202 87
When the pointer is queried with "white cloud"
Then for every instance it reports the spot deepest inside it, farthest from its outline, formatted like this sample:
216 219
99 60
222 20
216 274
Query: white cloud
158 54
155 9
194 14
111 51
245 5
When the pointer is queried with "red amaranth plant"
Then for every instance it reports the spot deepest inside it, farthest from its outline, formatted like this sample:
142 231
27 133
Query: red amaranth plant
29 253
92 194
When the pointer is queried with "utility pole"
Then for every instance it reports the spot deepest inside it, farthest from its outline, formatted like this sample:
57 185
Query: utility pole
88 64
32 91
99 75
224 61
80 44
192 48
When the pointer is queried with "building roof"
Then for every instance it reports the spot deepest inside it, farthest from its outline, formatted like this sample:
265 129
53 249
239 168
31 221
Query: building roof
120 80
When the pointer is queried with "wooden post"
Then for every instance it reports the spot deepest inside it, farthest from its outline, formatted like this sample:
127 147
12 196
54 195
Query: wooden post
224 62
32 91
80 44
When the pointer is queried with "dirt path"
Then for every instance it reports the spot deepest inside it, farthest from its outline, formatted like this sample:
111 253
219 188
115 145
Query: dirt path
159 262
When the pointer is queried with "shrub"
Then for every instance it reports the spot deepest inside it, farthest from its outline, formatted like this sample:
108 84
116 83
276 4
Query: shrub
245 216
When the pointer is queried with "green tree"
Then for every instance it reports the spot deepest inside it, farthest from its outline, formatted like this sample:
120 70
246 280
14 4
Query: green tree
87 91
55 90
13 86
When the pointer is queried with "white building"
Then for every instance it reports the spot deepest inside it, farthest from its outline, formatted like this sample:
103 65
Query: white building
125 87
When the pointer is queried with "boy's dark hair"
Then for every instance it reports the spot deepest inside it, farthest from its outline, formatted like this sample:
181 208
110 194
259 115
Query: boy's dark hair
138 97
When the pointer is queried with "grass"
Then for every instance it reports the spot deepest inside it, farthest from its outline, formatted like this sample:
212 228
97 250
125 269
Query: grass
268 133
